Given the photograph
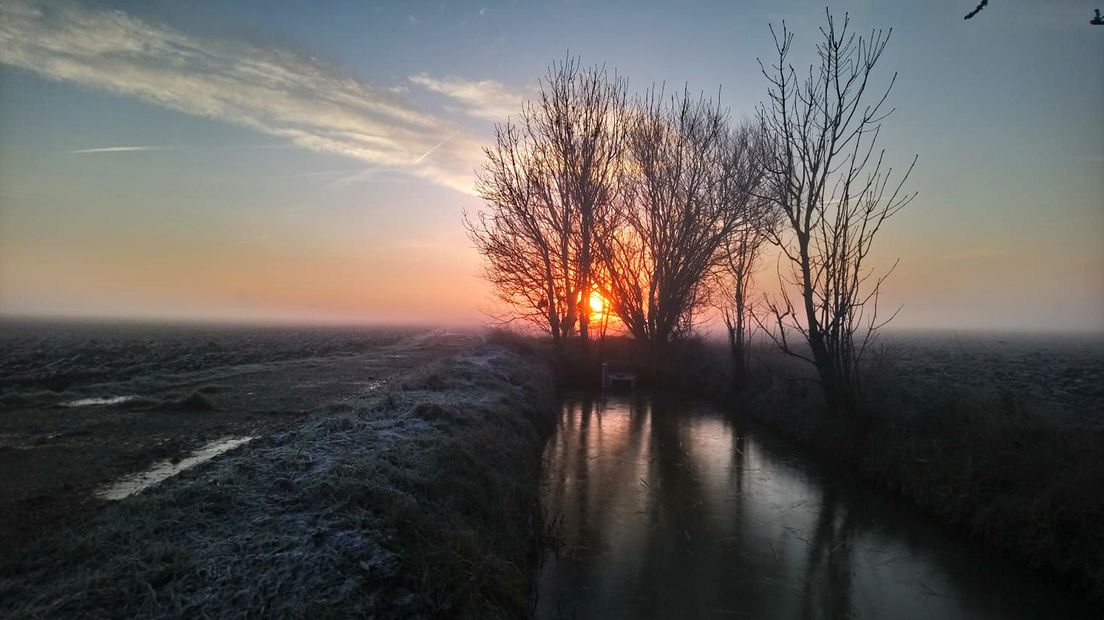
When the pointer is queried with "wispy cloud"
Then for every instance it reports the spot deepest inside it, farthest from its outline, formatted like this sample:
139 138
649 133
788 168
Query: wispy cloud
270 90
120 149
481 98
126 149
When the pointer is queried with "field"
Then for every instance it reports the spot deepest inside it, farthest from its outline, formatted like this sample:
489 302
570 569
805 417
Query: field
82 405
1064 372
386 474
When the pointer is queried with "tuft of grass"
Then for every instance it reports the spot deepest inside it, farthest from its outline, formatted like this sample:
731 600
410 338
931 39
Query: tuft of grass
196 401
511 341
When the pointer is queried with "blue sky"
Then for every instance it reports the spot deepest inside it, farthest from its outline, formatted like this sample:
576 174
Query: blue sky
302 162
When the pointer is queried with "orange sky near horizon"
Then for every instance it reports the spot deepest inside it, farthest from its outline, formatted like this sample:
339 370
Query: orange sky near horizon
157 162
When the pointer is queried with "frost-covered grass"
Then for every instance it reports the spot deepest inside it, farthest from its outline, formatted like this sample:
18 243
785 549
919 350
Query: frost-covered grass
46 363
416 501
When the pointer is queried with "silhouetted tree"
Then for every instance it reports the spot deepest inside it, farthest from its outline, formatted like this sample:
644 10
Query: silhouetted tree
522 239
576 129
546 182
740 260
685 190
832 188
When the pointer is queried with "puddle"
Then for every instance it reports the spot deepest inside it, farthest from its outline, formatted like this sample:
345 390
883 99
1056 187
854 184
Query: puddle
163 470
110 400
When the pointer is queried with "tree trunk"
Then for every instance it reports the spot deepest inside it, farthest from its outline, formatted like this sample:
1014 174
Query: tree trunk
739 355
825 365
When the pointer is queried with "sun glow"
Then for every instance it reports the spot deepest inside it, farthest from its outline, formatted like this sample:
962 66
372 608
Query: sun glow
598 304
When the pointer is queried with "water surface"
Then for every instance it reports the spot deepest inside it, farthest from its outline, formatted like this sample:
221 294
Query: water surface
163 470
668 509
108 400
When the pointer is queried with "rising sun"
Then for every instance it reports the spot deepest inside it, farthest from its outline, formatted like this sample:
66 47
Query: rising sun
597 303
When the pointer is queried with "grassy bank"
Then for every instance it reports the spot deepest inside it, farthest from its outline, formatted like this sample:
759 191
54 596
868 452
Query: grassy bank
420 501
1023 476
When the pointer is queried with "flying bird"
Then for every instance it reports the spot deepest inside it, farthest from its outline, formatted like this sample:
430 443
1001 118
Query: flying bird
1097 20
977 9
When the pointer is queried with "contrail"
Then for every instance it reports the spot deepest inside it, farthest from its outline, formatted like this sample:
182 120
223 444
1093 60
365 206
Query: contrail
436 146
359 176
367 172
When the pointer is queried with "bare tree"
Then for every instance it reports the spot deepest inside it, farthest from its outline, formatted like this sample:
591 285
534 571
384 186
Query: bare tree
740 262
521 238
832 187
576 129
684 191
546 182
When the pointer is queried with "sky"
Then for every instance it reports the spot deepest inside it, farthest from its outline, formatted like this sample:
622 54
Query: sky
312 162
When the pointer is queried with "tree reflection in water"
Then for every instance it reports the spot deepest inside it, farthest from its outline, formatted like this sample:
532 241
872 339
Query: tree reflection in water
666 508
